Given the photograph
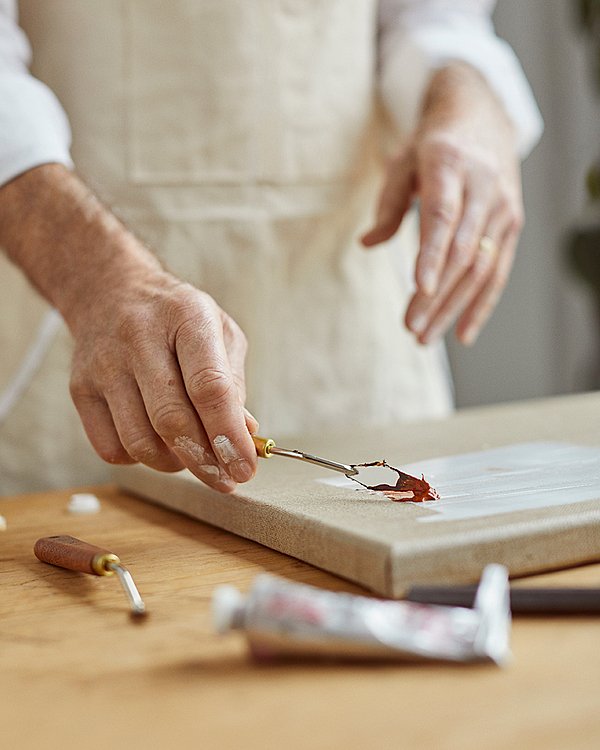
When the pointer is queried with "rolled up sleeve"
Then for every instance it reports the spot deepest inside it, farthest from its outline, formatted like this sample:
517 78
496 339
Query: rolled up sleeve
420 36
34 129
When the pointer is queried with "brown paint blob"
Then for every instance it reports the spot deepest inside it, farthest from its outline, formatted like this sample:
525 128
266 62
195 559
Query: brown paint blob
408 489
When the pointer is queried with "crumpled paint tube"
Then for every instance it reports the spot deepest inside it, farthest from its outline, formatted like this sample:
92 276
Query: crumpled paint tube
284 619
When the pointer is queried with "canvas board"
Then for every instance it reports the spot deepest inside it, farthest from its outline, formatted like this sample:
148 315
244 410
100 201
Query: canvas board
520 486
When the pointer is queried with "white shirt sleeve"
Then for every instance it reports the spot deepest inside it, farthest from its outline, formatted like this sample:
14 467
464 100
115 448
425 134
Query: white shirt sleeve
419 36
33 126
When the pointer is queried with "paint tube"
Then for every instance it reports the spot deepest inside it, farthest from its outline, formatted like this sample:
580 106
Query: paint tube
280 618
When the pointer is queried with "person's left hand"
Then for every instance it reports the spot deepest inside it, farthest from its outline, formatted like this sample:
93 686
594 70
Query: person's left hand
462 165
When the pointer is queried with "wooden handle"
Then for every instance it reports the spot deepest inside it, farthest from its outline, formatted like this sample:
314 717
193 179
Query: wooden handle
73 554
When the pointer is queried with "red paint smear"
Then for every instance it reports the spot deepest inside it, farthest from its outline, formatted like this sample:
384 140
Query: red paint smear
408 489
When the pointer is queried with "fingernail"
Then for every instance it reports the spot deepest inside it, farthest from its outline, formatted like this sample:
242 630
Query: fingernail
225 449
367 237
429 282
418 323
237 467
240 470
470 336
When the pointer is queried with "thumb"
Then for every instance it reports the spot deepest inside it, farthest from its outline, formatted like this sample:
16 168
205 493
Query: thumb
394 200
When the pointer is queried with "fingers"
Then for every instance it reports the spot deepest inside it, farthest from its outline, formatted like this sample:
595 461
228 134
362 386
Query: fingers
156 427
161 381
478 312
174 420
465 196
443 311
394 200
473 295
118 427
477 204
201 420
213 389
251 423
440 171
235 346
98 424
134 429
462 256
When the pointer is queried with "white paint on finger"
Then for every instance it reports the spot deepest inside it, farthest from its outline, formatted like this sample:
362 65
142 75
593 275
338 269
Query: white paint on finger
238 468
193 449
225 449
204 460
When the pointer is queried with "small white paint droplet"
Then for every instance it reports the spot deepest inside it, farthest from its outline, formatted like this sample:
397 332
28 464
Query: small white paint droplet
3 524
83 503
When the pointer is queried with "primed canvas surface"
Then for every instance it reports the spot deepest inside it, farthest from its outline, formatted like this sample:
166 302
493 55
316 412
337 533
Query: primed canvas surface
387 546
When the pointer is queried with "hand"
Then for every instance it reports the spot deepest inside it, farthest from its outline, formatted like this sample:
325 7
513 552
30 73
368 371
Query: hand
158 367
462 165
158 377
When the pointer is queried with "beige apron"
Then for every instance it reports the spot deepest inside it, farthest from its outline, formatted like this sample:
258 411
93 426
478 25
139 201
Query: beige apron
238 139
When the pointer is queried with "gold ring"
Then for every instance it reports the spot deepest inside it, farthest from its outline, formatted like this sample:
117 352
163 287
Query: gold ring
487 245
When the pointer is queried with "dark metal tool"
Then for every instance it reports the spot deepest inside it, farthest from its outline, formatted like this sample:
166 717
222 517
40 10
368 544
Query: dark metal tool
535 601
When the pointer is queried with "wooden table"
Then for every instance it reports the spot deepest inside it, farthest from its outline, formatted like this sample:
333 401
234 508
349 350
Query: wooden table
75 669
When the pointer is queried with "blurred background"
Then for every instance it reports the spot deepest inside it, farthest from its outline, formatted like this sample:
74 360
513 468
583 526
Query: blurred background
544 338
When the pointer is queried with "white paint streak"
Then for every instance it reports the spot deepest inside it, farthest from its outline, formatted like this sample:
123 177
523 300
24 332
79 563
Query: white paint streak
225 449
193 449
204 459
212 471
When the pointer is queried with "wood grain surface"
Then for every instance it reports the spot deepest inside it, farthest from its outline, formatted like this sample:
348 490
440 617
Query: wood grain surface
76 671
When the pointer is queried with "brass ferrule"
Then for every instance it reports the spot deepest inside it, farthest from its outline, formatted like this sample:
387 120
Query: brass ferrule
101 562
263 446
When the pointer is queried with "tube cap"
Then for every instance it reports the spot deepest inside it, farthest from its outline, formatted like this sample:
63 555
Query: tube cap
227 608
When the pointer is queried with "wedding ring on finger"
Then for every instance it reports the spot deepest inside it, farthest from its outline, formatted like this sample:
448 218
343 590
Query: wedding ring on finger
487 246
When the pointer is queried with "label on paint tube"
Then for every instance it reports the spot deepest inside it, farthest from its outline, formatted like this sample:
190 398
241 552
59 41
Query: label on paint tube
281 618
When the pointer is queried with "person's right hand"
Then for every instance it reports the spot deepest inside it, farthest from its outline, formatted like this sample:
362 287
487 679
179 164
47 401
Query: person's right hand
158 367
158 377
